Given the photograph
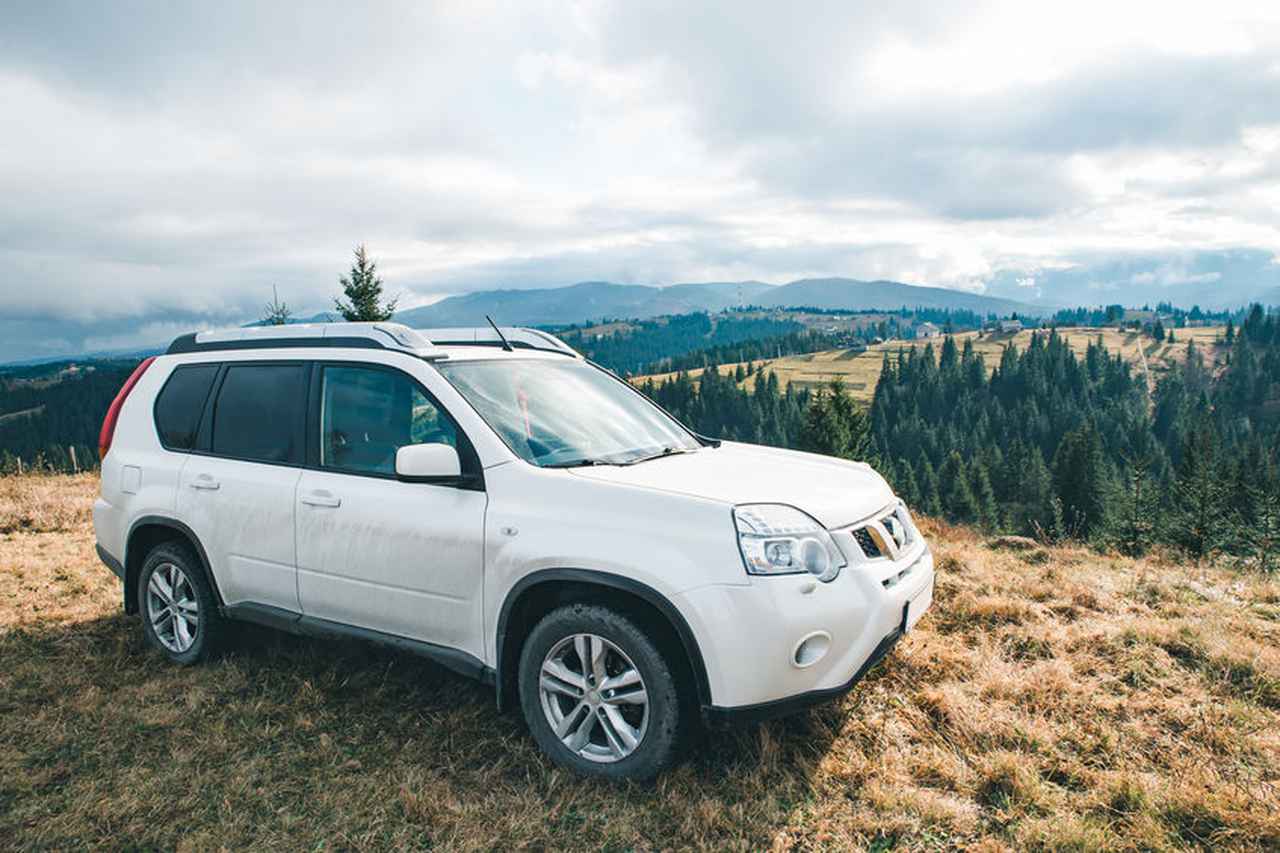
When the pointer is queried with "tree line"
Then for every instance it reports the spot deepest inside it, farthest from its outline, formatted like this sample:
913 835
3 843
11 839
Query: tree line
1047 444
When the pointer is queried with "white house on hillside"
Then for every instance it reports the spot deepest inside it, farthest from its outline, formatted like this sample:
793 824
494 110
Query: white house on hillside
1011 325
927 330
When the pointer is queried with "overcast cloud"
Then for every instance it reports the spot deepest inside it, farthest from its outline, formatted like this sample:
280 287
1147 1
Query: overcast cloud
164 167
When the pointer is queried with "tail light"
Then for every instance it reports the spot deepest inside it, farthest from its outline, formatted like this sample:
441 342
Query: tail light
113 412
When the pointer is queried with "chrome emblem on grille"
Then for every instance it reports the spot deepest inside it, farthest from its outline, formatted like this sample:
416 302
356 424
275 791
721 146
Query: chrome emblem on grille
896 530
885 541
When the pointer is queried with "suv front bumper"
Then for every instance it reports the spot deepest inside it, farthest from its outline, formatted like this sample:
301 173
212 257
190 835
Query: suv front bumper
750 635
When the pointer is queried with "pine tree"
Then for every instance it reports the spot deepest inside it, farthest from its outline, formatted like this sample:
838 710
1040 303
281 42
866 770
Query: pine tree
927 482
1260 539
836 426
1134 527
984 496
363 290
904 484
1197 520
276 312
957 497
822 431
1079 473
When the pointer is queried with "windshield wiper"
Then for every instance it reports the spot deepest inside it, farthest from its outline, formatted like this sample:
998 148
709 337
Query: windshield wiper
666 451
579 463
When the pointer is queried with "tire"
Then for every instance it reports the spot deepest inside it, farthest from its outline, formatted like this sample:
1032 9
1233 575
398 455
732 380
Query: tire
203 626
623 739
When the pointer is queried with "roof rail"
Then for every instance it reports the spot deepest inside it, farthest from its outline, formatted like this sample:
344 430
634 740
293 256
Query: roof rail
389 336
519 337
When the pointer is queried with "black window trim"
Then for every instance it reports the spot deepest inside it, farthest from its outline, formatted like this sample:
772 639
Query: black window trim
204 405
472 480
472 477
204 437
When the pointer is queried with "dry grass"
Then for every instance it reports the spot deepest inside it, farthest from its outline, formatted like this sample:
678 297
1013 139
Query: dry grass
861 371
1070 701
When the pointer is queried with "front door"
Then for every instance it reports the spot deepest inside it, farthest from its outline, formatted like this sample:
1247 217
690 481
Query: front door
400 558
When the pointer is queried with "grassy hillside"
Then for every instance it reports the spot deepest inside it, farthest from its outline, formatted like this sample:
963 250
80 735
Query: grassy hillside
1053 698
861 370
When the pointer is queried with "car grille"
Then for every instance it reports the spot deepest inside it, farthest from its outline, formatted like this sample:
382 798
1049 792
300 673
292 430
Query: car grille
876 538
866 543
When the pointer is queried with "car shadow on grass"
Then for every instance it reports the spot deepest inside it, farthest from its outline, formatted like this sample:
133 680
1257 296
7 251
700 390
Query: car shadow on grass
298 740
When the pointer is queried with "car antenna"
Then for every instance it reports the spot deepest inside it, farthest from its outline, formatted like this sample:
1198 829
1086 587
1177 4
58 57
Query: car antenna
506 344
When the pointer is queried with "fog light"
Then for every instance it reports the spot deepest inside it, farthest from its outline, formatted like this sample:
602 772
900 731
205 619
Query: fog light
811 649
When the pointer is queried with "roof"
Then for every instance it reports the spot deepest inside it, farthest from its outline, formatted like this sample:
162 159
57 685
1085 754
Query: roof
423 343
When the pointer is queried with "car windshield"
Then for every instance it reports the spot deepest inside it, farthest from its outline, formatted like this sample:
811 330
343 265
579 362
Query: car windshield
566 413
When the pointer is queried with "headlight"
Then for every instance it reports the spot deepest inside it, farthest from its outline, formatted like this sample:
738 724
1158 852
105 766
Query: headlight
781 540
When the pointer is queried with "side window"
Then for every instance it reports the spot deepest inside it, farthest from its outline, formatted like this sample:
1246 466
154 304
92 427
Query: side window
367 414
260 412
180 404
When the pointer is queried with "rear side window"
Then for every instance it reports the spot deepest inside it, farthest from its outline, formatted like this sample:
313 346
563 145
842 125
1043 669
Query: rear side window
260 413
180 404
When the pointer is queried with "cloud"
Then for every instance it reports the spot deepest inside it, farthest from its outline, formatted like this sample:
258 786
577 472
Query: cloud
168 163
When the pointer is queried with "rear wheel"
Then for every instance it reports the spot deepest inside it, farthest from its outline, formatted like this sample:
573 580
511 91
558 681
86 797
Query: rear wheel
598 694
179 612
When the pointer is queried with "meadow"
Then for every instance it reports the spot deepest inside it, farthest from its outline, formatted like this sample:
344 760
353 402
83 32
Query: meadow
859 371
1054 698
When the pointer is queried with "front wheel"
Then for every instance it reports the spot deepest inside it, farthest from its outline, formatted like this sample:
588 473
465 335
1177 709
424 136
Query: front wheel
598 695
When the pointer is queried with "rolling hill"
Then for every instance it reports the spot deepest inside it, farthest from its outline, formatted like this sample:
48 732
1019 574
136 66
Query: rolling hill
860 370
846 293
595 300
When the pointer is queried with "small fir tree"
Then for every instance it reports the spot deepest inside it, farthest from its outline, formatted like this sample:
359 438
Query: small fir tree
1260 541
363 291
957 497
1080 479
276 312
836 426
1134 525
1197 521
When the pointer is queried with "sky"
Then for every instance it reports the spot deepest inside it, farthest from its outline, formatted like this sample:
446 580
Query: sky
164 165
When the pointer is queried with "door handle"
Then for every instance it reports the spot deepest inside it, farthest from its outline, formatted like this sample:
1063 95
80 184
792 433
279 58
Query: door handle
321 499
204 481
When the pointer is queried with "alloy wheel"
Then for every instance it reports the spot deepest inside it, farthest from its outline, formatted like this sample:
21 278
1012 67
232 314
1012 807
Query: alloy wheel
594 698
172 608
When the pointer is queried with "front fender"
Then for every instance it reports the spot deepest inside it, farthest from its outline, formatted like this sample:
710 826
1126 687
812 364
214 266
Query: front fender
550 520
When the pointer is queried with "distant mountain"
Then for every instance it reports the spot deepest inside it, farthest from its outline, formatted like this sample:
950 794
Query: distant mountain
589 300
846 293
594 300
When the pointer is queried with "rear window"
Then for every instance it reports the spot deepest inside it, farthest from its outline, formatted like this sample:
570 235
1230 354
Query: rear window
180 404
260 413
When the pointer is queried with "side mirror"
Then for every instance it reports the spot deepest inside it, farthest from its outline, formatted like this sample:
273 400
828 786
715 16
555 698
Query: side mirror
425 463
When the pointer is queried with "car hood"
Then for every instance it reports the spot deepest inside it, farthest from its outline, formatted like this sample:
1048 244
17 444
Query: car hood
834 491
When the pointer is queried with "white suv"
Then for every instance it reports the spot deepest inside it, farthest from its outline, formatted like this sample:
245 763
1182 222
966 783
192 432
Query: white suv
497 503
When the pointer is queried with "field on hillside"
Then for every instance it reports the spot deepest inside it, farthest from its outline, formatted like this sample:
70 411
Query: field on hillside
861 371
1052 699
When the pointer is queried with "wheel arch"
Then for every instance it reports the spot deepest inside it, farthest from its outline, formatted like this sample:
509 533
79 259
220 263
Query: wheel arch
149 531
540 592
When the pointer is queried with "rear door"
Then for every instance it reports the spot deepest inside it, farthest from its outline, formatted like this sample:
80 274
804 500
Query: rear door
400 558
237 488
